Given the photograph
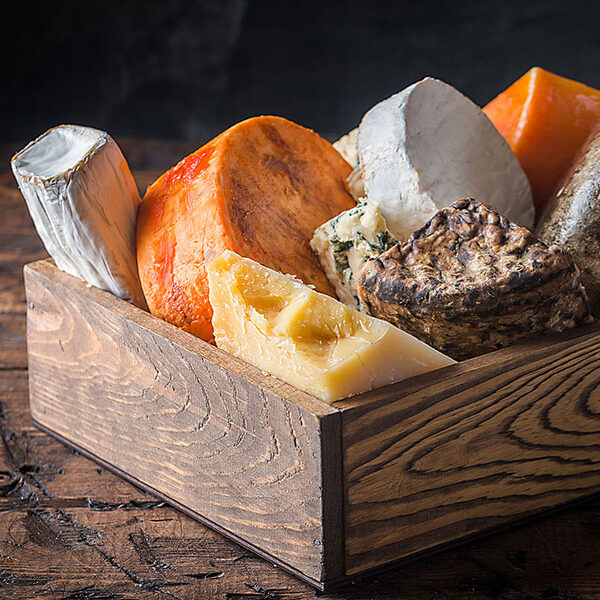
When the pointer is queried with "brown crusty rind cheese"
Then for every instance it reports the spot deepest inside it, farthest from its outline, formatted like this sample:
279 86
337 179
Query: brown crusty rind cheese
470 281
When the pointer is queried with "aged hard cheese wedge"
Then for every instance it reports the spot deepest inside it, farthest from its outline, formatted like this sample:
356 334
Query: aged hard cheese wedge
346 242
427 146
347 147
572 218
310 340
83 201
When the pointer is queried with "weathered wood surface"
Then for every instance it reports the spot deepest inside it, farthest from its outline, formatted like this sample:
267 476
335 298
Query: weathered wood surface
426 462
69 529
497 439
183 417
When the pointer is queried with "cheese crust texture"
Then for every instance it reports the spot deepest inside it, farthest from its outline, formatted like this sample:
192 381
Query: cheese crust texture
83 201
259 189
428 146
305 338
346 242
470 281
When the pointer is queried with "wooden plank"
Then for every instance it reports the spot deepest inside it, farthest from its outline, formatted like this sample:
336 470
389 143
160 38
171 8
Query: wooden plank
476 446
179 415
13 352
183 508
95 536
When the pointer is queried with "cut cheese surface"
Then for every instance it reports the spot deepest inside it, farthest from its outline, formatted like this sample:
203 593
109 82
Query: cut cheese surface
428 146
347 147
305 338
346 242
83 201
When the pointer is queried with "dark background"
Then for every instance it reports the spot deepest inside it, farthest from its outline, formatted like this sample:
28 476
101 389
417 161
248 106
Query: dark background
187 70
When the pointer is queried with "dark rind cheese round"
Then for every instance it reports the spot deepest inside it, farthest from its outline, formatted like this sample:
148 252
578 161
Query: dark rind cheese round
470 281
572 218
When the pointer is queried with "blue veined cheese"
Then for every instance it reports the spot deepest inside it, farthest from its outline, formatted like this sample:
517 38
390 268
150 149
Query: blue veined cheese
346 242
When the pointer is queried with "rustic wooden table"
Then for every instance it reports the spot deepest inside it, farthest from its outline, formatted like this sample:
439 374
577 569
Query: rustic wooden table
69 529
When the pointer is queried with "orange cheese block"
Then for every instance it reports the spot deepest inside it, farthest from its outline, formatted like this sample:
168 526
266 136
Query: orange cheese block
259 189
546 119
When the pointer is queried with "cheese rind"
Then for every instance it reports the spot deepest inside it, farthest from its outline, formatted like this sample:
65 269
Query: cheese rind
307 339
83 201
345 243
428 146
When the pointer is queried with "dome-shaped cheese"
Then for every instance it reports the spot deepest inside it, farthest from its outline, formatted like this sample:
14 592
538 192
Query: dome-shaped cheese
427 146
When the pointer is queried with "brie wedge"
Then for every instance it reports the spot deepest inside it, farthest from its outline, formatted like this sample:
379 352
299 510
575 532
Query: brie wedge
309 340
83 201
427 146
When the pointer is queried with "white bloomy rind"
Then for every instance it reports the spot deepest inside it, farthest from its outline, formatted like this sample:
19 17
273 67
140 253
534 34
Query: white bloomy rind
83 201
427 146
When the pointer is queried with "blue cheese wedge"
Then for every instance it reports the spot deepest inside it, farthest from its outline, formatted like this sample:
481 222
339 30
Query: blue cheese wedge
346 242
83 201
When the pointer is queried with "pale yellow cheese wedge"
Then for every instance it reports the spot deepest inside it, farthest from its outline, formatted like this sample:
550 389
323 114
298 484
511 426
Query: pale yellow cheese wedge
307 339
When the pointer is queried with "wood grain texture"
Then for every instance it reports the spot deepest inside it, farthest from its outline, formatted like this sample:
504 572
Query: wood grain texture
472 447
71 530
181 416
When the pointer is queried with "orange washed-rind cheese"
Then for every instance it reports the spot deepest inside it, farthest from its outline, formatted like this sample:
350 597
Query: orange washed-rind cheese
546 119
260 189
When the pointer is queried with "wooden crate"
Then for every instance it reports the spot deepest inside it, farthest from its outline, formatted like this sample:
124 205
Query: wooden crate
329 492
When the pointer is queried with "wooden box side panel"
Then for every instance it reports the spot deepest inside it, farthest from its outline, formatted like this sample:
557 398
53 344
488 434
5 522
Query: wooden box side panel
236 453
475 450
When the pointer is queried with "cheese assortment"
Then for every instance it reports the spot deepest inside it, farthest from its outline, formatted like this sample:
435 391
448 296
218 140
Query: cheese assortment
418 221
83 202
310 340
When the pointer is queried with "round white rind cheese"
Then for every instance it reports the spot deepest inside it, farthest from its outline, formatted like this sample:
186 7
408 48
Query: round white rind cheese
429 145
